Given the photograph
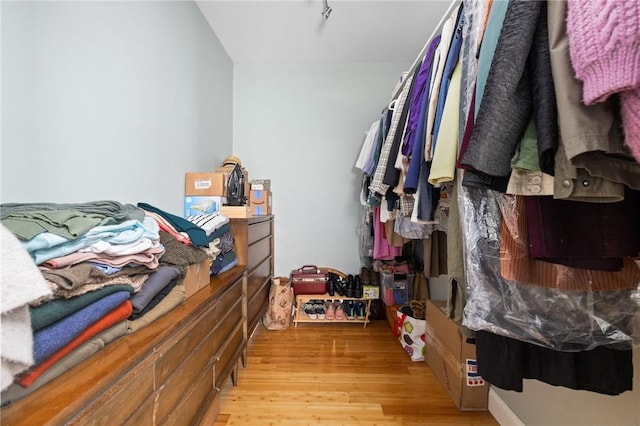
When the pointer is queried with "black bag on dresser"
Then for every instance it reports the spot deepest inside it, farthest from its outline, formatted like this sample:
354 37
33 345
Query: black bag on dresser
309 280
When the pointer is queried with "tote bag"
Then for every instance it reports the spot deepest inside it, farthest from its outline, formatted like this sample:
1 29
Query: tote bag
278 315
411 333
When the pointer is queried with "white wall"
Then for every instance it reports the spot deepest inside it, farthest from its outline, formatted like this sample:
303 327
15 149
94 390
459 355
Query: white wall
302 126
110 100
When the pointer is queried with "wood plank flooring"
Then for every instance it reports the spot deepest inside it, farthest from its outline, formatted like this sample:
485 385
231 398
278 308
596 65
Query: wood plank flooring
336 374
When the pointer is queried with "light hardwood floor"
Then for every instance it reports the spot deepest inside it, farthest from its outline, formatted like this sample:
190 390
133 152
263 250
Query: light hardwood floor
337 374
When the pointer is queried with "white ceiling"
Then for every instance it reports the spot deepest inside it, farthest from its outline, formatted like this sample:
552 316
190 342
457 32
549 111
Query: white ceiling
294 31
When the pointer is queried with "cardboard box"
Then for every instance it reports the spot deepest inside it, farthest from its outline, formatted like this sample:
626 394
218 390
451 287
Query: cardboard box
236 212
260 203
453 360
371 292
205 184
197 277
202 204
261 184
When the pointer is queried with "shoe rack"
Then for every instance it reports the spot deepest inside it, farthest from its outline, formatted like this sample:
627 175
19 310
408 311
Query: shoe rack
301 299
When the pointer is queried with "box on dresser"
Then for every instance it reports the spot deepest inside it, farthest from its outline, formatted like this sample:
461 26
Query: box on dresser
205 184
260 202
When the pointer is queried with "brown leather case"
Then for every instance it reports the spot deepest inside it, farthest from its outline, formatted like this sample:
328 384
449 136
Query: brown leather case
309 279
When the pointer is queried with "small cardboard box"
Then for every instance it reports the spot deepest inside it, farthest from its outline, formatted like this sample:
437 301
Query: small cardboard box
205 184
236 212
371 291
453 360
261 184
197 277
202 204
260 203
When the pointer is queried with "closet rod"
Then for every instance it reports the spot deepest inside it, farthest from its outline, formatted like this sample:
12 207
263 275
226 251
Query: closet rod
423 52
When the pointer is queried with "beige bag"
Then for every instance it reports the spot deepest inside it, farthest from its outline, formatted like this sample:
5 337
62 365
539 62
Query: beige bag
278 315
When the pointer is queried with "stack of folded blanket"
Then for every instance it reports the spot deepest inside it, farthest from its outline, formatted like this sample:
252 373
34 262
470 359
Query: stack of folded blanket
102 270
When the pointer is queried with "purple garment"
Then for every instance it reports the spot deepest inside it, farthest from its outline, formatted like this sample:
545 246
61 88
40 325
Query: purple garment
49 340
584 235
422 80
417 142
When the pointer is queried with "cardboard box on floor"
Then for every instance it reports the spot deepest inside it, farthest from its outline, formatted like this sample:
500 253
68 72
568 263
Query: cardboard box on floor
197 277
453 360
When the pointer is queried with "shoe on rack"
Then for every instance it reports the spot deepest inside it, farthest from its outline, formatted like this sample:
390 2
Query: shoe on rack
318 307
331 283
360 309
350 309
339 286
374 278
358 291
365 275
330 310
339 312
310 311
349 286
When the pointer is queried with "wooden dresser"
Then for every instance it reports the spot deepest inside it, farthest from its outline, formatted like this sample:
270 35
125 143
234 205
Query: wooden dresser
254 248
169 372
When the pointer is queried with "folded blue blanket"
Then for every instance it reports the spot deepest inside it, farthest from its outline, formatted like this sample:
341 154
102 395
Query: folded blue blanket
49 340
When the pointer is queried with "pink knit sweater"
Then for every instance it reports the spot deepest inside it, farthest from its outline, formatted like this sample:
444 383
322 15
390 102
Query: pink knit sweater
604 44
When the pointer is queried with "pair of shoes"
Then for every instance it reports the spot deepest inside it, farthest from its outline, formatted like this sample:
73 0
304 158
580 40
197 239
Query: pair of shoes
309 310
314 309
318 307
330 309
365 275
350 309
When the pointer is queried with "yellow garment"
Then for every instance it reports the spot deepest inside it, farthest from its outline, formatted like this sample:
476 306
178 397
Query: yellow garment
443 165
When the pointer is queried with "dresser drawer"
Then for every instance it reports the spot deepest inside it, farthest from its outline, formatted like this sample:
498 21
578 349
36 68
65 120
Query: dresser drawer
229 298
194 404
143 415
258 278
258 305
258 252
258 231
196 365
121 401
225 326
226 358
181 349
